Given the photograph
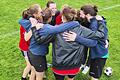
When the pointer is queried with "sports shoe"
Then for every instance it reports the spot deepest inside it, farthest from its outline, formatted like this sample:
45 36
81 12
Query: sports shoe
86 69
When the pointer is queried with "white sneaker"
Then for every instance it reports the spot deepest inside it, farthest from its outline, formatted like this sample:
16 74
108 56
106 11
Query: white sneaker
85 70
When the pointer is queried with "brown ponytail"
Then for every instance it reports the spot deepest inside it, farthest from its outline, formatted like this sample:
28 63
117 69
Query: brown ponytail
89 9
34 9
47 14
69 13
95 8
24 14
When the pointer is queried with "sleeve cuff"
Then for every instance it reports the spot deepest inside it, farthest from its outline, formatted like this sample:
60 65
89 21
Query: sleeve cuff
33 29
77 38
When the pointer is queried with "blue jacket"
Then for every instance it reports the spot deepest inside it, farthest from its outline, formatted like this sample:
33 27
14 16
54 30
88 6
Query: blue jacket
67 55
49 29
42 49
99 51
97 47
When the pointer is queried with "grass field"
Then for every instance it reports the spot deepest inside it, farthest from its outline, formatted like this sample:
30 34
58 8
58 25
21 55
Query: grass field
11 60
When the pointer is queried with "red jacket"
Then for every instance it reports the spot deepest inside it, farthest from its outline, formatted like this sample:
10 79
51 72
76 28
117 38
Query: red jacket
58 19
23 45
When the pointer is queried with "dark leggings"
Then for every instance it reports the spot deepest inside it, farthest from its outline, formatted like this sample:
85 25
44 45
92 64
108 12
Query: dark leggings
85 55
61 77
86 58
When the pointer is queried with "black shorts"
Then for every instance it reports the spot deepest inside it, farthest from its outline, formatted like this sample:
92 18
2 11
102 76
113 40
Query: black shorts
61 77
96 67
38 62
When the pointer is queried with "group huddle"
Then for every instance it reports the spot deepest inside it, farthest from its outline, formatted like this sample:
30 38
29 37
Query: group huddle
79 41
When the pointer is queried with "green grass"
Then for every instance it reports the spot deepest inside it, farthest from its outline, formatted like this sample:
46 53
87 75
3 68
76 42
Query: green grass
12 62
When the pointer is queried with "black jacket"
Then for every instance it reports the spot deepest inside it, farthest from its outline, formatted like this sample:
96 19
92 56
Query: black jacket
69 55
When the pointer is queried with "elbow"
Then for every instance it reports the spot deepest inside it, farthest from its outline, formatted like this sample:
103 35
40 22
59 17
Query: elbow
26 38
102 35
94 44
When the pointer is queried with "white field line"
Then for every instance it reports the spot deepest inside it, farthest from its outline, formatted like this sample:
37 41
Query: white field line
111 7
16 32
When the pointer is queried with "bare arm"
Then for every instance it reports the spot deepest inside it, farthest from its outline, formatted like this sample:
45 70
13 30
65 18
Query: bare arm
27 35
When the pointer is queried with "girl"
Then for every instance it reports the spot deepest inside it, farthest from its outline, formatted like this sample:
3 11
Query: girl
66 56
99 51
23 45
36 53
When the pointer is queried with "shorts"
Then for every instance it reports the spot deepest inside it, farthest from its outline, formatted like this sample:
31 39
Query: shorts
96 67
25 53
61 77
38 62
